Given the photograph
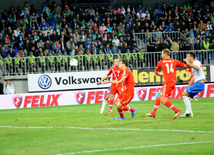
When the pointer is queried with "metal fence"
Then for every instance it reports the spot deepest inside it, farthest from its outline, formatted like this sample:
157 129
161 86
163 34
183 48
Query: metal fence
46 64
142 38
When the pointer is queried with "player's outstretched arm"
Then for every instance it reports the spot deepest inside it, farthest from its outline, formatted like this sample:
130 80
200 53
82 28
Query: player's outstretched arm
113 81
122 79
104 78
189 65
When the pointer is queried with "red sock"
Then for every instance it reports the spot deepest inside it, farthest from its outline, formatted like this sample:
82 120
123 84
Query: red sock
170 105
120 112
111 102
157 103
125 108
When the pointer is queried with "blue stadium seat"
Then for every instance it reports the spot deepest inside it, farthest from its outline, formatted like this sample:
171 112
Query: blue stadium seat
50 23
199 57
211 57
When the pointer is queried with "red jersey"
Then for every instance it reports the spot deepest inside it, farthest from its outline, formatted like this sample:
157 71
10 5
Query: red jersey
169 68
115 72
129 80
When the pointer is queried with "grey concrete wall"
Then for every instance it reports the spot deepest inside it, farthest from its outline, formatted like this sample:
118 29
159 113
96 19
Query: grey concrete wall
19 82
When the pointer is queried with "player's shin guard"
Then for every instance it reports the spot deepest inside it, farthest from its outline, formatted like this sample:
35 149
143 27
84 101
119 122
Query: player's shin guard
156 105
120 112
188 105
126 108
103 106
111 102
170 105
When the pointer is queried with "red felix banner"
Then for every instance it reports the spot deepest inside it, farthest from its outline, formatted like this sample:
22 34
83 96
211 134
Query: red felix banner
32 100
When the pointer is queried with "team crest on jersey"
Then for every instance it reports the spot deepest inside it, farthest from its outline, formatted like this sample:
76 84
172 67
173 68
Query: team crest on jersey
17 100
141 93
80 96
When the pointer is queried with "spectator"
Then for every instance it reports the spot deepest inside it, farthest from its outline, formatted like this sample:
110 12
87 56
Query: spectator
70 43
102 29
170 27
17 32
116 41
9 88
76 37
140 14
197 45
202 26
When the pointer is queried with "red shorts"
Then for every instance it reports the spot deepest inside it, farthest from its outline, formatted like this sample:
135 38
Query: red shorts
126 97
167 89
116 89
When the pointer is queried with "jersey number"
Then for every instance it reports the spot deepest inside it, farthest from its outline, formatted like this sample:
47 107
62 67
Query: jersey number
169 68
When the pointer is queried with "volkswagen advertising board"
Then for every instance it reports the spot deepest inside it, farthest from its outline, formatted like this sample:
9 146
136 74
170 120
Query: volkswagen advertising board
65 81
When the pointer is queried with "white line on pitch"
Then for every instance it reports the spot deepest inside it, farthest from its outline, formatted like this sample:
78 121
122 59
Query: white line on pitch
116 129
137 147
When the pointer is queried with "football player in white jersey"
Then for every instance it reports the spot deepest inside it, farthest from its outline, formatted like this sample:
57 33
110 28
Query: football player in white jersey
198 78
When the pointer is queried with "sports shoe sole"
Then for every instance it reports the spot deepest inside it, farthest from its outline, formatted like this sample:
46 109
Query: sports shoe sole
109 112
177 114
134 112
150 115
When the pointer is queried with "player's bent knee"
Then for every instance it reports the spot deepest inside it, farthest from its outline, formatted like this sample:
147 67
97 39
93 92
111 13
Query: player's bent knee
119 106
185 93
111 97
107 97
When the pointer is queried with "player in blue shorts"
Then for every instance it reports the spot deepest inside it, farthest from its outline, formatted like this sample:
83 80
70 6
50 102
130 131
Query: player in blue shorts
198 78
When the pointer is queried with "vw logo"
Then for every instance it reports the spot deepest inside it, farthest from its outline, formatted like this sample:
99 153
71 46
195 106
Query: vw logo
44 81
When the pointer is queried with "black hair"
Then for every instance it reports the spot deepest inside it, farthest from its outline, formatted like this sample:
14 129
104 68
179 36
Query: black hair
124 62
192 54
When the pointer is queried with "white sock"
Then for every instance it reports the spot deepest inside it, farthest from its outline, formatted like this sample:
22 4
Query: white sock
188 105
103 106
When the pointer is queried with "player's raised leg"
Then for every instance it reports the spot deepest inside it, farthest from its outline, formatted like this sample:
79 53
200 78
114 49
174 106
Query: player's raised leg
167 103
105 101
187 103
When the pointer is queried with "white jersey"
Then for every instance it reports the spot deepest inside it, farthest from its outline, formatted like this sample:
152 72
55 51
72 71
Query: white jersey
198 74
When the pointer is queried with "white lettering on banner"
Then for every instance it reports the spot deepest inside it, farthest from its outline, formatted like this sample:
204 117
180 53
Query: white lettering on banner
65 81
86 97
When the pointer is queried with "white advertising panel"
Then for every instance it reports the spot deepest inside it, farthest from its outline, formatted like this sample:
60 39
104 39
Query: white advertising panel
65 81
95 96
212 73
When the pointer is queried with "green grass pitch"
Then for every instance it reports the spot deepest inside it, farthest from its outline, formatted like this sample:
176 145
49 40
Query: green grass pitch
82 130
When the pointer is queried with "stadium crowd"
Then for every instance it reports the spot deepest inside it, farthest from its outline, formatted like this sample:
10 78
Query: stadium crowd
73 31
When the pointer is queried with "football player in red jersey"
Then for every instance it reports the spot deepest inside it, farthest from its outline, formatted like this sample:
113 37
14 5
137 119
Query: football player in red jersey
116 73
127 79
168 66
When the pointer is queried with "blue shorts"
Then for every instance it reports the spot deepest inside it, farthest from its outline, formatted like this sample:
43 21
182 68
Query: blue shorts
195 89
108 92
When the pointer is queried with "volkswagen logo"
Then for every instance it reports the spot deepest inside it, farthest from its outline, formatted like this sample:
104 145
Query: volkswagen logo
44 81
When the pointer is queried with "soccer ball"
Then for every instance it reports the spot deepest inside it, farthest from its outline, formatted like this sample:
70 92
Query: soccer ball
73 62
